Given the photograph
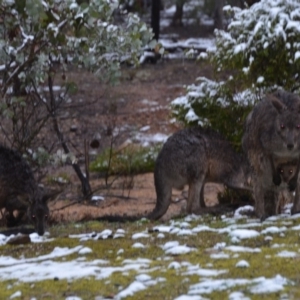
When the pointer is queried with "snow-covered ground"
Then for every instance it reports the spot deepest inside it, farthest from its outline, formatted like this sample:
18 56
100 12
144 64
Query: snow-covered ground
234 235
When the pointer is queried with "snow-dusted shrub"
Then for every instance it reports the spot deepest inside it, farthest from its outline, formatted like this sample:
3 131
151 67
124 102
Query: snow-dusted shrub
211 103
40 40
260 50
262 44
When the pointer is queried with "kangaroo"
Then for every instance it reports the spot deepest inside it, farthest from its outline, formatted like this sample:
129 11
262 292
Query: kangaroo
195 156
287 172
19 190
272 136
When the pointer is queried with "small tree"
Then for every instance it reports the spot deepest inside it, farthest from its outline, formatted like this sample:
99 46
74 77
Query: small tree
39 40
259 52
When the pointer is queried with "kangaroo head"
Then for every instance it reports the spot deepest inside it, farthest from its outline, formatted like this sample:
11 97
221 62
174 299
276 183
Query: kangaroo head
288 129
287 171
287 124
38 213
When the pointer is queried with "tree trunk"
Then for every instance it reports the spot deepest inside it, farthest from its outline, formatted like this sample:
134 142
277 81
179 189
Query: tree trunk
85 185
155 18
218 14
177 18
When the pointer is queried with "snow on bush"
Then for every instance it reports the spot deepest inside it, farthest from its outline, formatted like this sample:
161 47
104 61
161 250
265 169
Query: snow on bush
263 43
40 40
260 50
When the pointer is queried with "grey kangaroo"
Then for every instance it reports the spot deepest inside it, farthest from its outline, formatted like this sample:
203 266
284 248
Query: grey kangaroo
287 173
195 156
19 190
271 138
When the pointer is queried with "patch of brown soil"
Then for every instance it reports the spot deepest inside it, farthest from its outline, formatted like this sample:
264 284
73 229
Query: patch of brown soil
136 201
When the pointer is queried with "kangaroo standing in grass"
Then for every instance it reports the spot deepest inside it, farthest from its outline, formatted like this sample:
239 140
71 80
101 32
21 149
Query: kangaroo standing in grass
19 190
271 138
195 156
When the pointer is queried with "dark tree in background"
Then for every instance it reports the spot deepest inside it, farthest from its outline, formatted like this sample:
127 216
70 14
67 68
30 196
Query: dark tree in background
155 16
218 14
177 18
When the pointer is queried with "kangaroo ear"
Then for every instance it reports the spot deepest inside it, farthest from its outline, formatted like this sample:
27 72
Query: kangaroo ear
276 103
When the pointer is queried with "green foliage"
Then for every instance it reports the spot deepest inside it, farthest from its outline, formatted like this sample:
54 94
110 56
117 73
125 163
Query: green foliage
262 44
260 52
211 104
127 161
39 39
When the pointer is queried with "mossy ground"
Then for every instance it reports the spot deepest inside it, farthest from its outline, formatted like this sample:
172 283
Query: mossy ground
174 281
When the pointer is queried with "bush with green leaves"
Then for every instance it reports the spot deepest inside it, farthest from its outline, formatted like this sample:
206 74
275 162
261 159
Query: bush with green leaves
40 41
260 51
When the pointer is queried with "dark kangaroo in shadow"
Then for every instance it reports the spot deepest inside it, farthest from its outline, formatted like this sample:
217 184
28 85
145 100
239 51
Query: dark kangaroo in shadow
271 138
19 190
288 171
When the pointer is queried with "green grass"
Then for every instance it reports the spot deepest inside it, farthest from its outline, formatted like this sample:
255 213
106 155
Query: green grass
174 282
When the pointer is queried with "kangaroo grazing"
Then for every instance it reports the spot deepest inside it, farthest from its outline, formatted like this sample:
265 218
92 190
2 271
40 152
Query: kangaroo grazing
195 156
19 190
271 138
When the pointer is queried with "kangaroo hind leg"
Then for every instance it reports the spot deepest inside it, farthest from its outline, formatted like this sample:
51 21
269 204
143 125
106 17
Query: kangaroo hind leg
195 195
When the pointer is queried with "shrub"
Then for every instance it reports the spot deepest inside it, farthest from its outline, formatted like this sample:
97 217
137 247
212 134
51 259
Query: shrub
40 41
259 52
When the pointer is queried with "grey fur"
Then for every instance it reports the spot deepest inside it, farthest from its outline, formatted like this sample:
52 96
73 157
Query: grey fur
195 156
272 138
19 190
